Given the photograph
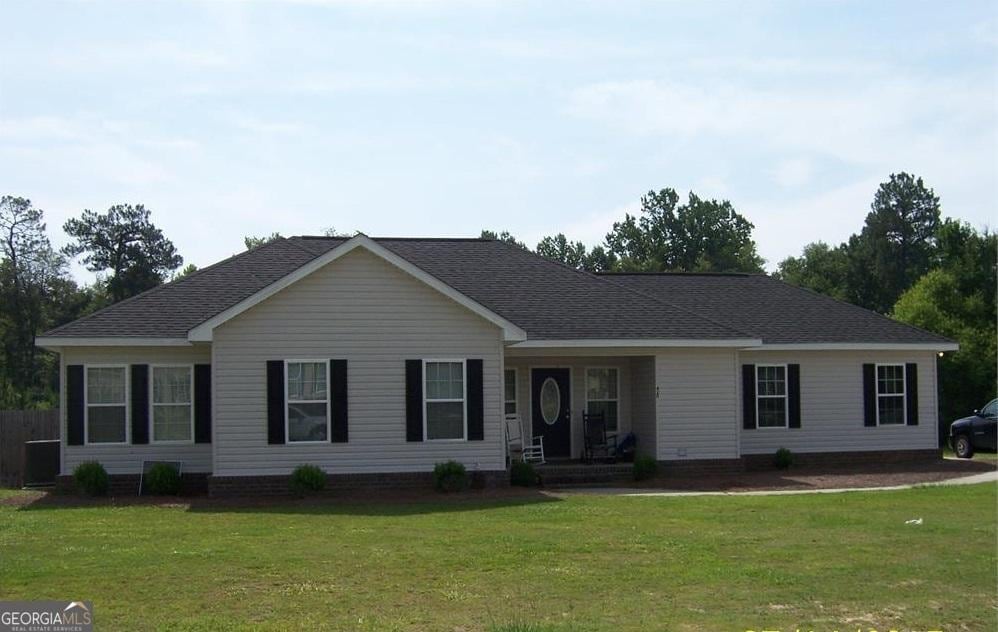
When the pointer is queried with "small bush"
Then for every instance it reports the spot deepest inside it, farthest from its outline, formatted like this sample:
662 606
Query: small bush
91 477
450 476
783 459
307 479
162 479
522 474
645 467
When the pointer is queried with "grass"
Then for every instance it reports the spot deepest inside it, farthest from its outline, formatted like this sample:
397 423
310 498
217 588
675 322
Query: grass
824 562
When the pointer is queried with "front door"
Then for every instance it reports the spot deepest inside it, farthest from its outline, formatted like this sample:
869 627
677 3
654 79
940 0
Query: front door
552 418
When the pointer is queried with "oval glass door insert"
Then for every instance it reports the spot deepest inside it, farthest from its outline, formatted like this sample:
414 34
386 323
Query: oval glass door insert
550 401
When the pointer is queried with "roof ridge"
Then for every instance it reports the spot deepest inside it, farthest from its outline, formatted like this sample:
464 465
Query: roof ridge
676 273
859 307
597 277
162 286
348 237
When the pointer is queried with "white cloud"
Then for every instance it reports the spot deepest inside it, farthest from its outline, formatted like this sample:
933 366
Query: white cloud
793 173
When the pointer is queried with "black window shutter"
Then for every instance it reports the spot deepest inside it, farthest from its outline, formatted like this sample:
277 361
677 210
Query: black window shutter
476 404
74 404
869 395
202 403
911 392
275 401
793 394
748 396
140 403
413 400
338 377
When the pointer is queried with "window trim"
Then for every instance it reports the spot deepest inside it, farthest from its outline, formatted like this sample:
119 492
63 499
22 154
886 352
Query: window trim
463 400
516 391
153 404
785 397
585 385
903 394
287 402
87 404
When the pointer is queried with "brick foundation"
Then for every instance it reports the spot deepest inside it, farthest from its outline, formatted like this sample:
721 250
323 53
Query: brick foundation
224 486
700 467
871 459
191 484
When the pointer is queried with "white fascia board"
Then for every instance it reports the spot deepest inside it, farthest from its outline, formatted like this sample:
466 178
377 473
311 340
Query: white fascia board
203 332
594 343
54 342
860 346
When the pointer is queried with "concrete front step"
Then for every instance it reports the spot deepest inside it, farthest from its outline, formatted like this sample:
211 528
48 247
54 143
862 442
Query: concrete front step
565 474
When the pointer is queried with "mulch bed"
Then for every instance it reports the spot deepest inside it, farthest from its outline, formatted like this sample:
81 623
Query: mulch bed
802 478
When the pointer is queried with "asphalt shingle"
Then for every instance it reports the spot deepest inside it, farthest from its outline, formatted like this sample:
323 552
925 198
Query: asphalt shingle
776 312
546 299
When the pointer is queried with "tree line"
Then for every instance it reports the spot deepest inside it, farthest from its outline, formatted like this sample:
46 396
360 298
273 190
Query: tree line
905 261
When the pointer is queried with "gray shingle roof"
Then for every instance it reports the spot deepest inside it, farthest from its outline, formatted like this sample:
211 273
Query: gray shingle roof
547 299
775 311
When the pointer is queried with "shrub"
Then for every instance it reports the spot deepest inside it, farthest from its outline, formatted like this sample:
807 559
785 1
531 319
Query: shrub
783 459
307 479
162 479
91 477
450 477
522 474
645 467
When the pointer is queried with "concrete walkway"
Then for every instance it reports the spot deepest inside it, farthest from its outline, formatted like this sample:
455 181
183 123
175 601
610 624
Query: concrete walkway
983 477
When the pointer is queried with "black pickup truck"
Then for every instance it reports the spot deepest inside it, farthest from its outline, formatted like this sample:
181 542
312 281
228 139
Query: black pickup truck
977 432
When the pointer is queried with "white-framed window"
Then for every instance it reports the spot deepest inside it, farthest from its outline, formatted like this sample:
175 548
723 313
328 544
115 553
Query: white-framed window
445 411
603 394
172 403
891 396
106 389
509 392
771 396
307 395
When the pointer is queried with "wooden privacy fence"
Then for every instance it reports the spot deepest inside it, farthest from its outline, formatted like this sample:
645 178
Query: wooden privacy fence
16 427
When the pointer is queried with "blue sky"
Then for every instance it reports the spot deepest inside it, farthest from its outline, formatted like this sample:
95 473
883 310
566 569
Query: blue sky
435 118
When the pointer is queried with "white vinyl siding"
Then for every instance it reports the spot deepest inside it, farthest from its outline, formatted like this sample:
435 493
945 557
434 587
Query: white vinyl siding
698 410
171 398
370 313
831 390
127 458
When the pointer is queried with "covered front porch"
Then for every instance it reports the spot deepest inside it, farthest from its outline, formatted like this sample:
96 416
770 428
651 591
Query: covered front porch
551 392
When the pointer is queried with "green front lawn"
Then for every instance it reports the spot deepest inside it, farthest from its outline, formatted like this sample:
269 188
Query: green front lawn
824 562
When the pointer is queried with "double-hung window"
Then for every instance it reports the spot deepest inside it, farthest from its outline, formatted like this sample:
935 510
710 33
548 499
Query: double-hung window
172 403
509 386
106 409
445 413
771 396
602 394
307 401
890 395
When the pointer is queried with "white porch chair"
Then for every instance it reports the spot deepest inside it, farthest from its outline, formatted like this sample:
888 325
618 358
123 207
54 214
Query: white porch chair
529 452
